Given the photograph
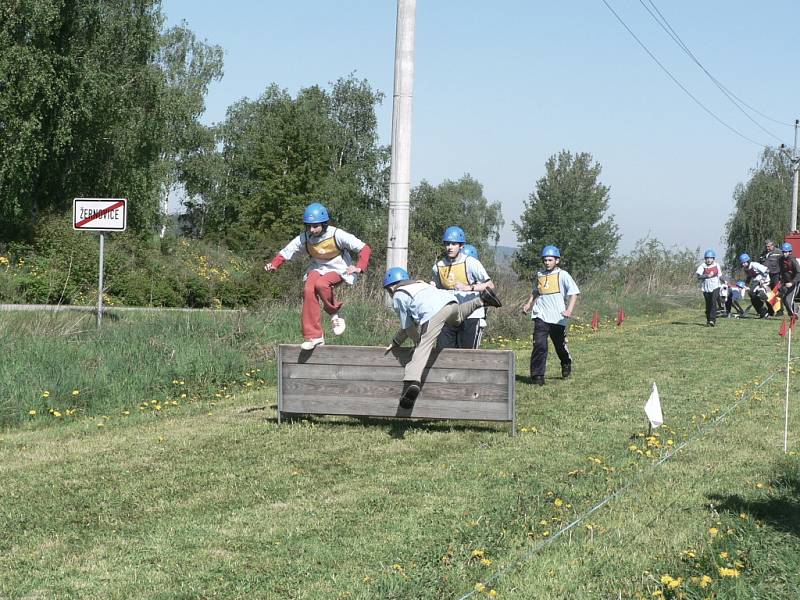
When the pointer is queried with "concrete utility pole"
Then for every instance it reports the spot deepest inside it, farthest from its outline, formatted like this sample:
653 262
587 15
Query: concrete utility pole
795 166
400 185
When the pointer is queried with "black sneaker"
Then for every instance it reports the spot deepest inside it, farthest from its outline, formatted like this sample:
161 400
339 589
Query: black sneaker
409 395
711 323
566 370
490 298
537 379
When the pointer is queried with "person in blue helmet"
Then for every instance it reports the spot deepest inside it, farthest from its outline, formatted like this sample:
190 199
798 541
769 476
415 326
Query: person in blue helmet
424 311
551 303
329 249
710 274
757 280
789 277
465 277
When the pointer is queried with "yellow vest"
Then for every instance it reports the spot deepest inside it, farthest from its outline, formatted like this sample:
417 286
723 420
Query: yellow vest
325 249
450 275
548 284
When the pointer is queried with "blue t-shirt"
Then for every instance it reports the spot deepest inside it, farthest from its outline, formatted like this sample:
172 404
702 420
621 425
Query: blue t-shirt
552 288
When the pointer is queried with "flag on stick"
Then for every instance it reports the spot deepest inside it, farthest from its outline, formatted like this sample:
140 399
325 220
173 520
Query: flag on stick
653 408
620 316
595 320
792 321
782 330
774 298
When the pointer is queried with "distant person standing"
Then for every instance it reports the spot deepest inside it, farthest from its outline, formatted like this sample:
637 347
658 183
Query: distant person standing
331 263
709 275
551 303
771 259
463 275
790 277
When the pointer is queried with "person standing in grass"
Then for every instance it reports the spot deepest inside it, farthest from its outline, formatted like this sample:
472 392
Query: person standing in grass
464 276
331 263
551 303
789 277
709 274
424 310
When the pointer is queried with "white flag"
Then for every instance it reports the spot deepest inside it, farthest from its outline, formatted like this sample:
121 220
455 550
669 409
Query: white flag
653 408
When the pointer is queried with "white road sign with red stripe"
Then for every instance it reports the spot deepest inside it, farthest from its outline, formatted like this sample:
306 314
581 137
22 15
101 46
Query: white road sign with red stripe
100 214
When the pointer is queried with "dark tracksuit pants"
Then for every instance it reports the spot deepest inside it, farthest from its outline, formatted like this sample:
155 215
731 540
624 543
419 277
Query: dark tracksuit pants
467 335
557 333
711 299
788 297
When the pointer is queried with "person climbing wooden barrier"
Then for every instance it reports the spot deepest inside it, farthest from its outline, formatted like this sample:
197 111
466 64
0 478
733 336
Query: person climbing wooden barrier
366 381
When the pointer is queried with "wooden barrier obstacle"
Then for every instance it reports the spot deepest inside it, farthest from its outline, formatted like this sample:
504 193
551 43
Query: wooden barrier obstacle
362 381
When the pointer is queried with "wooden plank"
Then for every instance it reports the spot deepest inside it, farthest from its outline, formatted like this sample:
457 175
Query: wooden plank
374 373
331 390
374 356
364 406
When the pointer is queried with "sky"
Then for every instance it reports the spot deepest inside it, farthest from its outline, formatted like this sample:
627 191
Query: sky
500 87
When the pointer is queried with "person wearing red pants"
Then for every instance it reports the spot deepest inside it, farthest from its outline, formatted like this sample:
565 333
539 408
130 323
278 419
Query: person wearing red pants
331 263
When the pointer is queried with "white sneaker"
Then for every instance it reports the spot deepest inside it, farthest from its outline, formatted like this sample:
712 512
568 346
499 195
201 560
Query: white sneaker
338 325
311 344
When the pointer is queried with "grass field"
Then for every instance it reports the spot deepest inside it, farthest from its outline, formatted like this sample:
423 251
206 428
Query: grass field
167 476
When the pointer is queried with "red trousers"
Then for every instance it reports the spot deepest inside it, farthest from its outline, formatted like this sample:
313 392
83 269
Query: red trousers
318 287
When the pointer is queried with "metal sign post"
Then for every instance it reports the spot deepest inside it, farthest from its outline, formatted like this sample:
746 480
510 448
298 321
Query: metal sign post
100 214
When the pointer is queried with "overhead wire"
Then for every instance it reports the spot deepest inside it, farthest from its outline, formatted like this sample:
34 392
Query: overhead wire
735 100
678 83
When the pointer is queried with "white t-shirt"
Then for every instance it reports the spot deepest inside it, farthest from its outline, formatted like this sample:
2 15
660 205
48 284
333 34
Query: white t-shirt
552 288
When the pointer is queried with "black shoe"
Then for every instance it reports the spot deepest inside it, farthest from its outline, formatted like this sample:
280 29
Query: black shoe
537 379
490 298
566 371
409 395
711 323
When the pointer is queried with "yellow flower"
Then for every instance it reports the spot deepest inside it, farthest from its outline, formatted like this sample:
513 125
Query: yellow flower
723 555
45 394
477 553
75 392
713 531
479 587
486 562
492 593
558 502
32 413
705 580
725 572
56 413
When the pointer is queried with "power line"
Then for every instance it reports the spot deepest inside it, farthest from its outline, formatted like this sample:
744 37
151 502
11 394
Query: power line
678 83
735 100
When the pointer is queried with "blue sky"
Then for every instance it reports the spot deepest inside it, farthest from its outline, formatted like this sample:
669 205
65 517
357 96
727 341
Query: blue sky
500 87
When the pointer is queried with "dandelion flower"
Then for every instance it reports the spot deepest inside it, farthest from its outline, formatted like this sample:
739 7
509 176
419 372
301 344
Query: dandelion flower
479 587
558 502
492 593
45 394
32 413
76 392
723 555
705 580
477 553
486 562
713 531
725 572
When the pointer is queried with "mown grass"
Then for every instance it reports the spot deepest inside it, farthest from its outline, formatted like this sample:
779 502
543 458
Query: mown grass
212 499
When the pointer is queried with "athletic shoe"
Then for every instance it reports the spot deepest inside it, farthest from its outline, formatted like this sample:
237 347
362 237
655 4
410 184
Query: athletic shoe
537 379
409 395
566 370
711 324
490 298
338 325
313 343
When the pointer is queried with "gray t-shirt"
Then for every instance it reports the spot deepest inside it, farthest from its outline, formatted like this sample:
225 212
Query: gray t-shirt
552 288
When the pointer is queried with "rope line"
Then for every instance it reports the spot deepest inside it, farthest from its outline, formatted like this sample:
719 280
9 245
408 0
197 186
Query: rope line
701 431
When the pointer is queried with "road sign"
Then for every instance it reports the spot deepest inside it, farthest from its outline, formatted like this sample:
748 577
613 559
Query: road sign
100 214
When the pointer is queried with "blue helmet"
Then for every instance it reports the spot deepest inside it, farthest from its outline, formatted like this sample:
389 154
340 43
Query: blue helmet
315 213
786 247
551 251
710 254
744 257
470 250
454 234
740 283
394 275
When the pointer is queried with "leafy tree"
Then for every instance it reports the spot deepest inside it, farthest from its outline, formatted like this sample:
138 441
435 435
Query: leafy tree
279 153
567 209
94 101
761 206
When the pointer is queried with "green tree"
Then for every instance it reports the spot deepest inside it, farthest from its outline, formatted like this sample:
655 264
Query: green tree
462 203
94 101
761 207
567 209
280 153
